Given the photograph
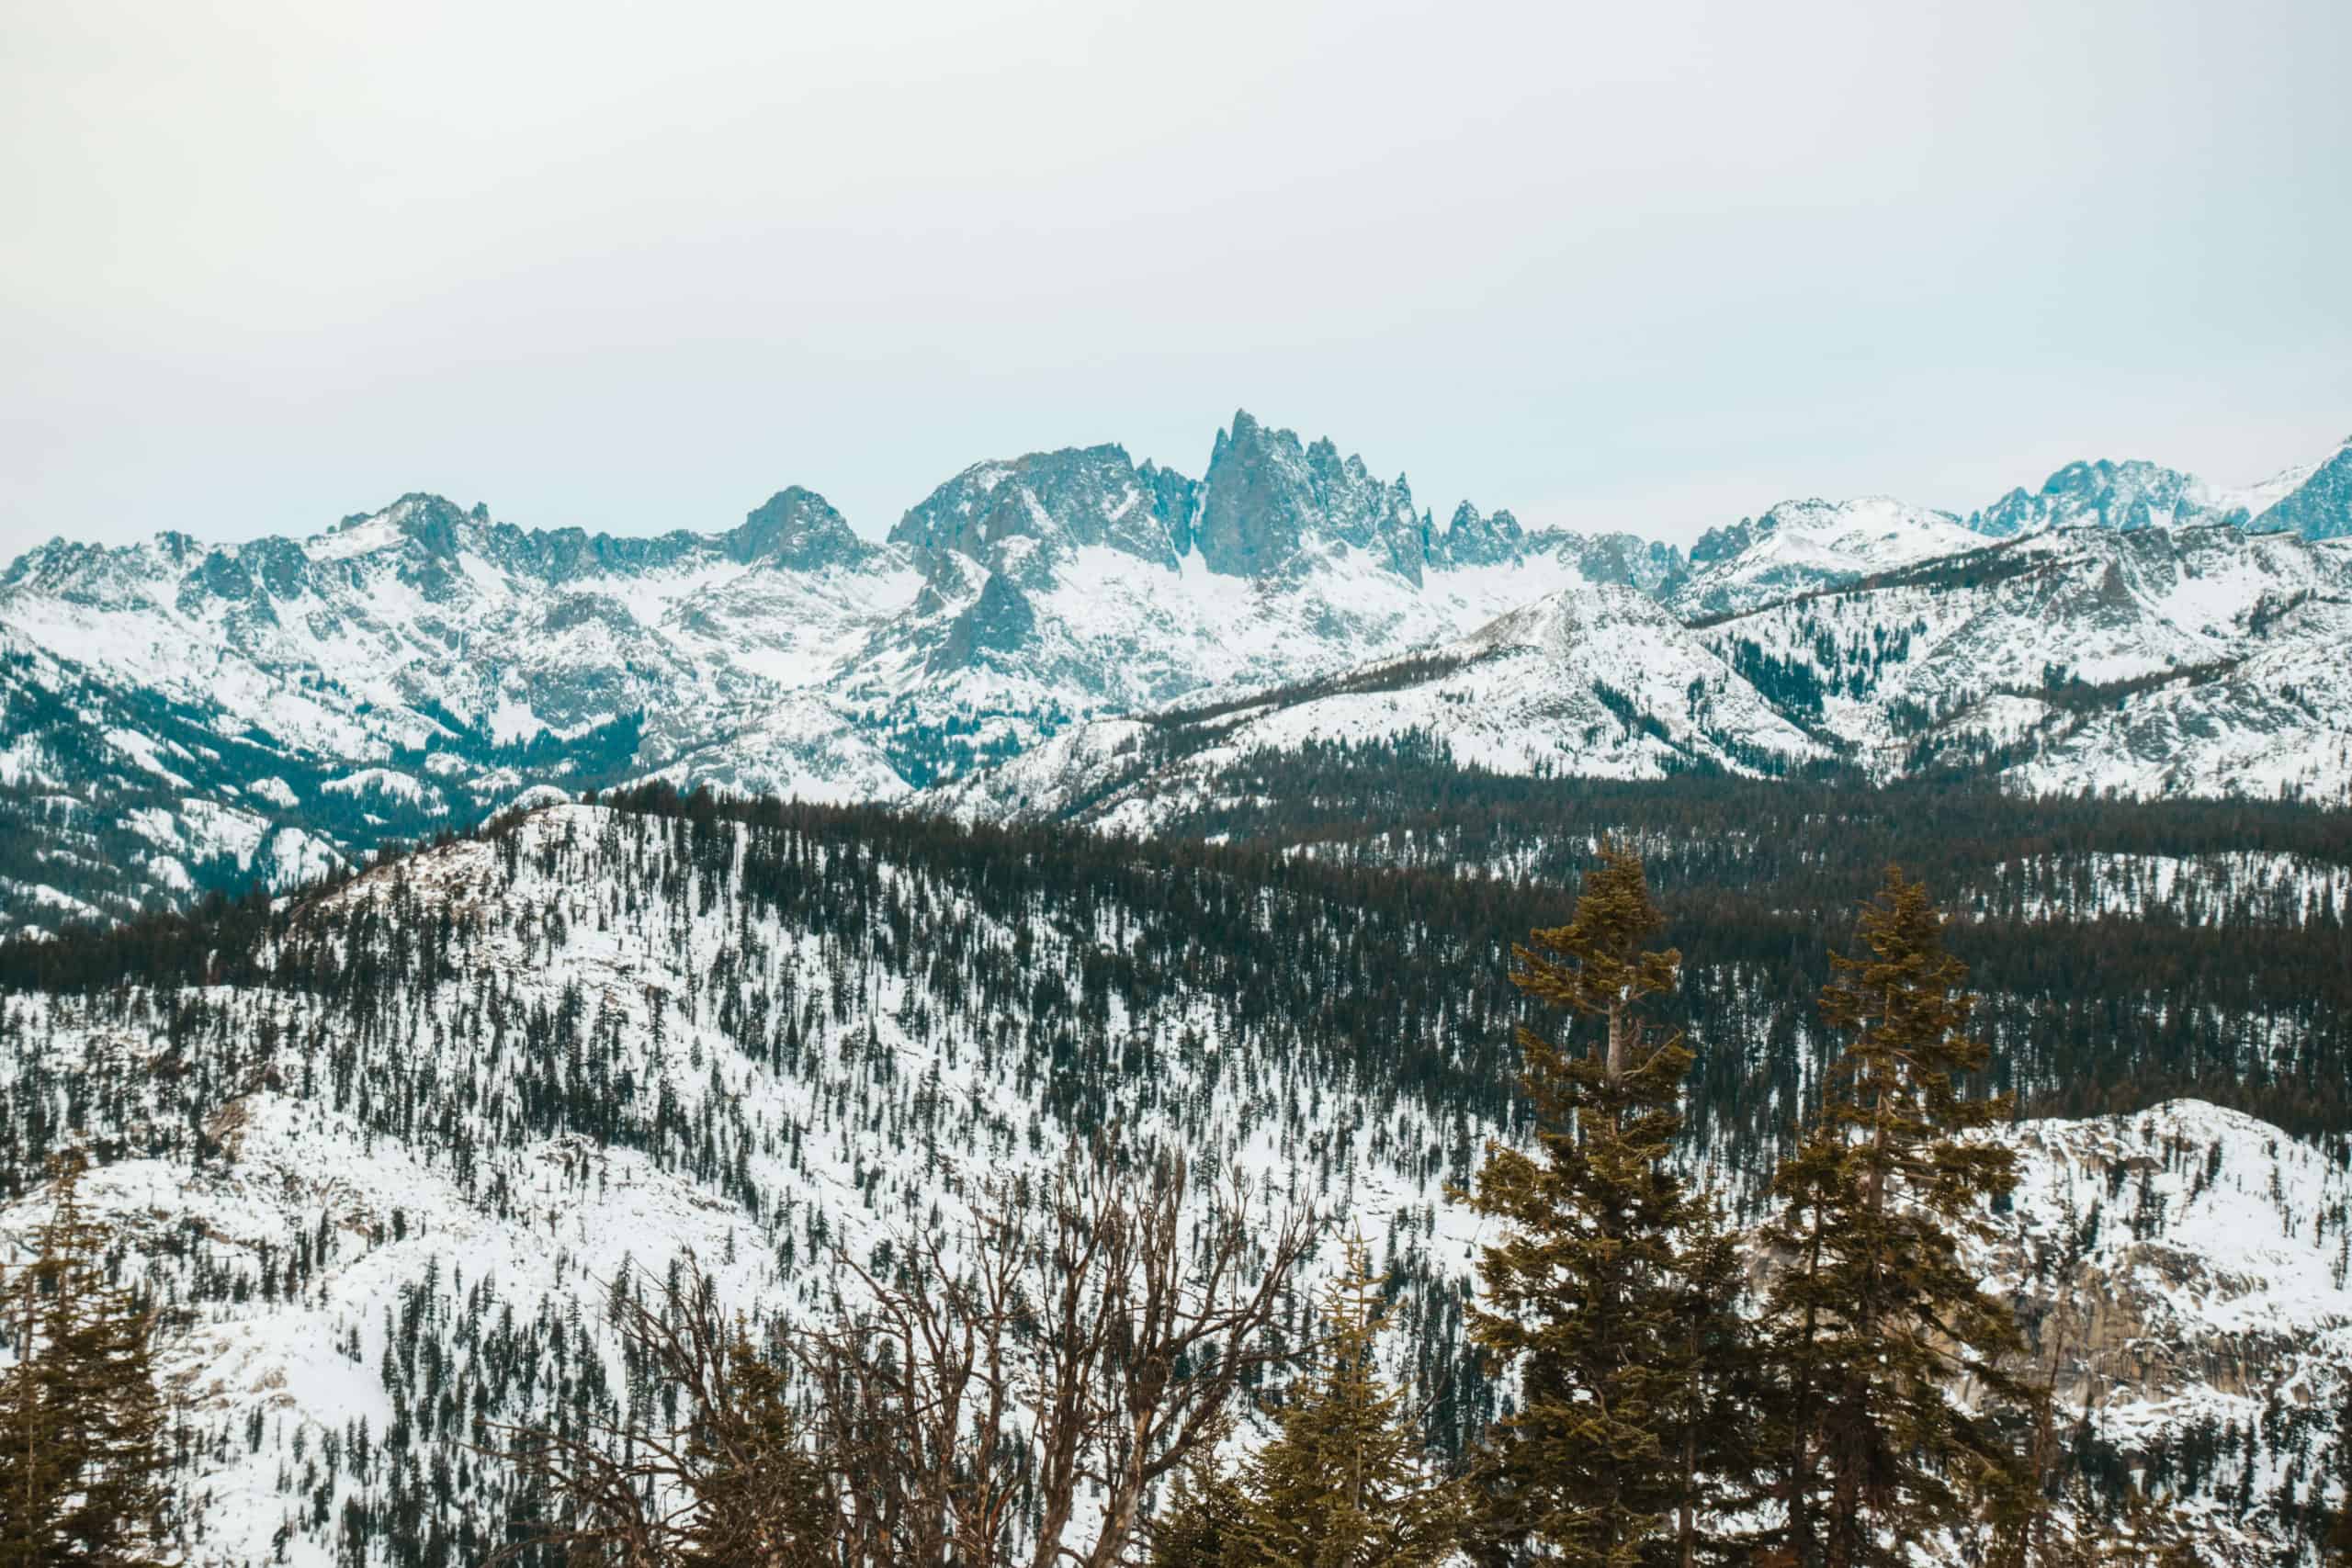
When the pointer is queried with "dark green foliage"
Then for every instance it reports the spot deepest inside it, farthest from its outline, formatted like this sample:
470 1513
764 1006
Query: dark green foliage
1345 1482
1201 1520
1875 1320
1588 1293
1377 974
82 1457
2089 1011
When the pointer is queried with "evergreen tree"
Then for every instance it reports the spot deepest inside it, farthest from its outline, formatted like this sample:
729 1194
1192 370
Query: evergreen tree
760 1496
81 1423
1613 1450
1876 1319
1346 1484
1202 1520
1715 1388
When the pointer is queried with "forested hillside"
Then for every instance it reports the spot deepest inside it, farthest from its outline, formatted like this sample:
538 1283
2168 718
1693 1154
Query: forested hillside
379 1151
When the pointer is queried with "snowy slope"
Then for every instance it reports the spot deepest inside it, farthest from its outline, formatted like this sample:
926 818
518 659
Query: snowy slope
1592 681
377 1215
177 718
2167 660
414 667
628 1050
1800 546
2164 662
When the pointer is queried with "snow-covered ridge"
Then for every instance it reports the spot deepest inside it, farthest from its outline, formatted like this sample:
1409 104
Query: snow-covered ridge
2194 661
611 1074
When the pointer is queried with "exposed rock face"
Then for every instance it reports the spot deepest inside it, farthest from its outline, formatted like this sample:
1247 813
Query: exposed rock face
999 621
1062 500
2313 501
2180 1264
2321 507
1473 540
798 530
2122 496
1266 498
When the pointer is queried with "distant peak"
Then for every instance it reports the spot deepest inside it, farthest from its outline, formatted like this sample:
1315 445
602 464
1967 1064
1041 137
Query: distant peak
796 528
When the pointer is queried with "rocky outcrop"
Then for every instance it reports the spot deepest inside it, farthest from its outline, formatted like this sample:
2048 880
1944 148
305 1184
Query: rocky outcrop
2321 507
1267 498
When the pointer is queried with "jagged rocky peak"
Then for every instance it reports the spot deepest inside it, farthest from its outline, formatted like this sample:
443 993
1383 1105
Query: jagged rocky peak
1070 499
1723 542
2124 496
1268 496
434 522
78 572
1474 540
1628 560
798 529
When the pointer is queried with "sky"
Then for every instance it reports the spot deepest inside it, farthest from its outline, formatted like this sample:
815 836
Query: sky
635 266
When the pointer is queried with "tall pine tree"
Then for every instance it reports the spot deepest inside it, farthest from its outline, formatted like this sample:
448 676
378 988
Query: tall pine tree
1625 1354
1876 1319
1346 1483
81 1423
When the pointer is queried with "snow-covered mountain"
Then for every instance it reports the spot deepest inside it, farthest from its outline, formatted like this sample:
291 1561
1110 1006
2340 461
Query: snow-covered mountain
181 716
2313 500
1800 546
1591 680
2166 661
381 1161
177 717
2180 662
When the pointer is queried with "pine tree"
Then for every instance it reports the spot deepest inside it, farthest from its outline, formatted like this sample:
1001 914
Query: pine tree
81 1423
1716 1382
1623 1352
1876 1319
760 1496
1346 1483
1201 1521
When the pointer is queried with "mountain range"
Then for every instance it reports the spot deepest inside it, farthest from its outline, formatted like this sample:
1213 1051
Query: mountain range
177 716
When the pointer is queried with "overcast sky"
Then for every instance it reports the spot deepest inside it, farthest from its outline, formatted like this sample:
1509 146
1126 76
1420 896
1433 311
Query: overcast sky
1649 266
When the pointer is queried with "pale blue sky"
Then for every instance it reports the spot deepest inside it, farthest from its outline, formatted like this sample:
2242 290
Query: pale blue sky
635 266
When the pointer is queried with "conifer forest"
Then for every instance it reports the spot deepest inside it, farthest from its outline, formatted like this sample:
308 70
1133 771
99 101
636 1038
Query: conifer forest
1701 1173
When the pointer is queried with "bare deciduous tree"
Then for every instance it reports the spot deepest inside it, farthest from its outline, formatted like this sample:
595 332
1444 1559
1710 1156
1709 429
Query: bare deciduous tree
1038 1373
1006 1392
726 1481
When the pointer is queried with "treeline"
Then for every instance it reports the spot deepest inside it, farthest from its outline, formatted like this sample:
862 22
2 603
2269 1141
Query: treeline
2099 1015
2093 1015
